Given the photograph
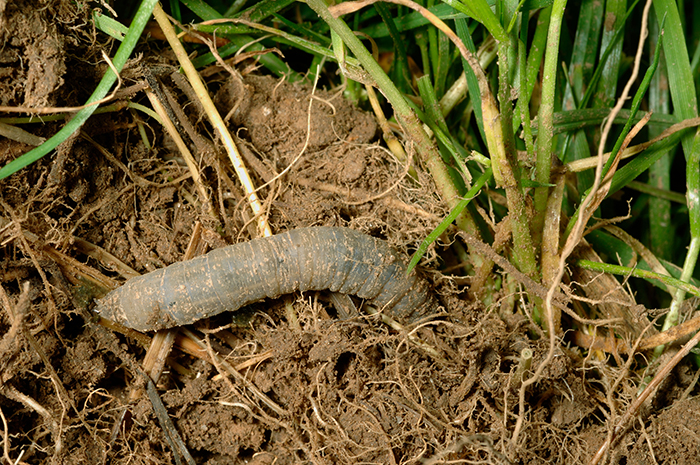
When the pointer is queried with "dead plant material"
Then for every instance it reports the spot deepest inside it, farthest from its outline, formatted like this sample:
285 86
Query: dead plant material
615 345
156 32
215 118
224 367
32 404
608 295
177 445
633 409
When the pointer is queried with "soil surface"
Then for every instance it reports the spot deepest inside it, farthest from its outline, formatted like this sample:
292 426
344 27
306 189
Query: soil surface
285 380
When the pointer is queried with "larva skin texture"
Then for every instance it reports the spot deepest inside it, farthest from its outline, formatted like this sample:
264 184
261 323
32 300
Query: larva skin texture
226 279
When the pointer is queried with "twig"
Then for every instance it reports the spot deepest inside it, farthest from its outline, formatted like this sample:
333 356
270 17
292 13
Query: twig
176 443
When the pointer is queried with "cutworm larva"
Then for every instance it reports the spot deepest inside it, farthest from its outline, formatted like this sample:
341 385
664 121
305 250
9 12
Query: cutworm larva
226 279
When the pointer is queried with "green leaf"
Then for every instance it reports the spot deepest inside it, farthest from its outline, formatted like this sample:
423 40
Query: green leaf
412 21
481 11
442 227
109 26
472 83
535 4
636 102
650 276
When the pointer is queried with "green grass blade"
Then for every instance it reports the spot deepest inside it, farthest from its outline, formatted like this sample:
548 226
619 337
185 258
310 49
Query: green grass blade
680 77
432 116
208 58
611 246
636 102
643 161
578 148
545 116
481 11
661 228
400 72
421 38
659 194
600 69
449 219
654 278
201 9
565 121
580 69
693 181
522 112
263 9
606 88
234 8
533 65
441 62
236 33
175 10
301 30
431 103
584 55
412 21
109 26
462 31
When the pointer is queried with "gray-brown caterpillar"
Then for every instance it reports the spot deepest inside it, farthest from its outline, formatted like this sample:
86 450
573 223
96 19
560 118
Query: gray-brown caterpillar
226 279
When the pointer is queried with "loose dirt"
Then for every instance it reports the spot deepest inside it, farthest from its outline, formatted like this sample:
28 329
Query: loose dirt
312 388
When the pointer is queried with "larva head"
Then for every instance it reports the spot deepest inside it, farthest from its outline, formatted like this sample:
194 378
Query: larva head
136 305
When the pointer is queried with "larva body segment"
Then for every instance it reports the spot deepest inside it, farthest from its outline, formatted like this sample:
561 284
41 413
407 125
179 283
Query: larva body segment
226 279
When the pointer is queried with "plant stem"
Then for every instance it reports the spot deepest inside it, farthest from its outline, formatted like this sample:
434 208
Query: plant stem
671 320
505 159
545 134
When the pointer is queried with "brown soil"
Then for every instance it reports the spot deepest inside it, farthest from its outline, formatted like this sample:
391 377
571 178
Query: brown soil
338 391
